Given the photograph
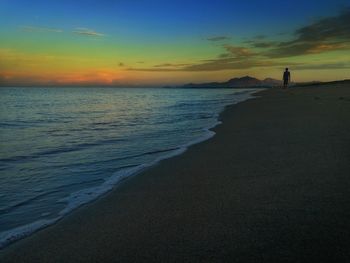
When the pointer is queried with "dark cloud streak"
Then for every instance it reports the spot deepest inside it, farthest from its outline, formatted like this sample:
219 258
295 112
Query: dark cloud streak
328 66
218 38
87 32
40 29
327 34
324 35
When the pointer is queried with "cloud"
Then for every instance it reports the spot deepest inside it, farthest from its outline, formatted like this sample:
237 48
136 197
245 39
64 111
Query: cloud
218 38
40 29
232 63
342 65
218 64
236 57
224 55
337 27
155 69
238 51
261 44
164 67
305 48
264 44
170 65
260 41
78 30
326 34
87 32
260 37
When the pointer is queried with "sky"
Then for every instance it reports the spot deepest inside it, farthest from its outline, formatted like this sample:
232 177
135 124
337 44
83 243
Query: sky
153 42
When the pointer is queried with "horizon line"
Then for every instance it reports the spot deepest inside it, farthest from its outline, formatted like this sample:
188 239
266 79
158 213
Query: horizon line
41 85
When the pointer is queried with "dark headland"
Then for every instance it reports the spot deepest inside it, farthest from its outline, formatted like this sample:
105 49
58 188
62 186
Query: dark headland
244 82
271 186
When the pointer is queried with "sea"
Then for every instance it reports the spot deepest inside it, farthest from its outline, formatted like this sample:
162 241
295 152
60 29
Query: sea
62 147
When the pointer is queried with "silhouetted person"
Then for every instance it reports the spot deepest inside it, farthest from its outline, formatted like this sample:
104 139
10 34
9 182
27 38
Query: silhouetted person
286 78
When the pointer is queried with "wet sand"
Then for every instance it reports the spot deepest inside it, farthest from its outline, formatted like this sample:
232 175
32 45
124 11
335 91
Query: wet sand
272 186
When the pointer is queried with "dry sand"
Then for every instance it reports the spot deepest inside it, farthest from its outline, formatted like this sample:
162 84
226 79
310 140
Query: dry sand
272 186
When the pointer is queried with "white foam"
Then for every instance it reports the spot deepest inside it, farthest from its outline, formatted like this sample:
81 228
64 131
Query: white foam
14 234
84 196
87 195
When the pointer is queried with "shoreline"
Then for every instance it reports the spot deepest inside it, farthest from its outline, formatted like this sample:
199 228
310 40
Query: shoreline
89 195
257 191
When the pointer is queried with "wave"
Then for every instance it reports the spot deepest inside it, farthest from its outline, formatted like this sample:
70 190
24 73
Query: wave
73 148
17 233
84 196
47 193
87 195
25 202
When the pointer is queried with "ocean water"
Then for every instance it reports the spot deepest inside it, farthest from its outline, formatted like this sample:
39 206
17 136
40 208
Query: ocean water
63 147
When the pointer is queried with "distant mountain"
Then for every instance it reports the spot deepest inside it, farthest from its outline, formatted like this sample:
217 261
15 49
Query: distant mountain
244 82
272 82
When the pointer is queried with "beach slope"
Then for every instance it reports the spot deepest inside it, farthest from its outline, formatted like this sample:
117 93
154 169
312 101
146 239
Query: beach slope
271 186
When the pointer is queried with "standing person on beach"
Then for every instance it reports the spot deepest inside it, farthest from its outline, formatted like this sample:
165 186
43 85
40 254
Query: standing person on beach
286 78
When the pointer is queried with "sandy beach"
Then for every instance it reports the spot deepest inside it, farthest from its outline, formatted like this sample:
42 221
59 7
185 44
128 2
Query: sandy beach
271 186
